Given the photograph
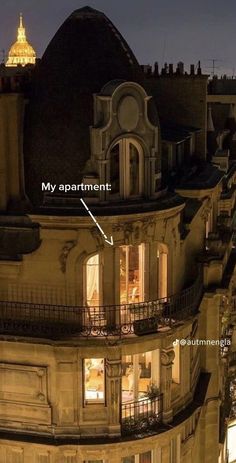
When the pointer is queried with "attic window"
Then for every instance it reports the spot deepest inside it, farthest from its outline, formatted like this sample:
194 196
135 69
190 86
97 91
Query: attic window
126 169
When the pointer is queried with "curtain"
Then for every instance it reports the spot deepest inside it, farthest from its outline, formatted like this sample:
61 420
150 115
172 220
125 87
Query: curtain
145 457
92 278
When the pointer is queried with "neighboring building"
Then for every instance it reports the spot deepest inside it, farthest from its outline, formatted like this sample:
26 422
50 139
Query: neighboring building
90 368
222 147
21 52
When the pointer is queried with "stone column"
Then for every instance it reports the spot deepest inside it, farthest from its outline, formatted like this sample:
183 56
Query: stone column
185 369
167 357
108 285
113 377
165 454
69 456
152 275
156 367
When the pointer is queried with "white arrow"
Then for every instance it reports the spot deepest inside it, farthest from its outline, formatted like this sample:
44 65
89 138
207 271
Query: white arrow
101 230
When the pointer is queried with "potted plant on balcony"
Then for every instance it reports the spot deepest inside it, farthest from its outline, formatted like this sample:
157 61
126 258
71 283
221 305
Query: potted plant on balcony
146 325
153 391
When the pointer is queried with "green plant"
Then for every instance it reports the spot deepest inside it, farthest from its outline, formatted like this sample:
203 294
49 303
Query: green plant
153 391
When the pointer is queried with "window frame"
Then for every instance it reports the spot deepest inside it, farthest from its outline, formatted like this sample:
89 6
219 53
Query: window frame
124 168
100 279
88 402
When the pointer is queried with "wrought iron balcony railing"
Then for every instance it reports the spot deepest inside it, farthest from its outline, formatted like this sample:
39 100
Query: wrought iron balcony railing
54 321
141 415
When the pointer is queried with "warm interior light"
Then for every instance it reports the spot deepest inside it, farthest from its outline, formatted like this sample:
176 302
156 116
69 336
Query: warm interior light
94 380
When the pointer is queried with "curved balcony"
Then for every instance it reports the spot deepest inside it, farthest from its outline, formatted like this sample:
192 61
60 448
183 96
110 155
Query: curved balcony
56 321
140 415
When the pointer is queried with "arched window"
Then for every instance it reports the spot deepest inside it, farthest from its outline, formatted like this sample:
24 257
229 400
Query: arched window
162 284
132 261
92 277
126 169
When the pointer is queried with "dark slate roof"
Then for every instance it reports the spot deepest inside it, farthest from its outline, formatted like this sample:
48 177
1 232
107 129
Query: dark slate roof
201 177
177 133
192 207
85 54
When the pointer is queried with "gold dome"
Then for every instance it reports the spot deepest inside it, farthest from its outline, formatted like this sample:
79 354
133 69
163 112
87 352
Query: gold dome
21 52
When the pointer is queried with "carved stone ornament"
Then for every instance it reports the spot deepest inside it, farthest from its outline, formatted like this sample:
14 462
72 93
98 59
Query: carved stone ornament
64 254
138 231
113 368
167 357
98 238
206 210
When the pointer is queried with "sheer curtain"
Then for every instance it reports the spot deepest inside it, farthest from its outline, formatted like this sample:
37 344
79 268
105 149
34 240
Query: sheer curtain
92 279
145 457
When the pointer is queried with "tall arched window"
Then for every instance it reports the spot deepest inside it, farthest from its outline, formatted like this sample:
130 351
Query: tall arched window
162 256
92 277
126 169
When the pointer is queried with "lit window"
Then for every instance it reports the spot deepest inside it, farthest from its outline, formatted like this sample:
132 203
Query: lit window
145 457
176 365
162 257
131 274
141 458
231 441
92 281
136 376
126 169
93 461
94 383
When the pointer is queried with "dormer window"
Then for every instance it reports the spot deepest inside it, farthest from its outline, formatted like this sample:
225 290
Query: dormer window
126 169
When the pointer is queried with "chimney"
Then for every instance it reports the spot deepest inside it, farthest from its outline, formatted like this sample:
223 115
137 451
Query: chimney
156 69
171 69
164 69
199 70
149 70
192 71
180 67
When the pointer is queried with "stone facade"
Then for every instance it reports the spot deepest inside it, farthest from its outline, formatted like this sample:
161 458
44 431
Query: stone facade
91 364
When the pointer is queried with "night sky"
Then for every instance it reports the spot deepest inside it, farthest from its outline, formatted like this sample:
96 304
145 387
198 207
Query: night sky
156 30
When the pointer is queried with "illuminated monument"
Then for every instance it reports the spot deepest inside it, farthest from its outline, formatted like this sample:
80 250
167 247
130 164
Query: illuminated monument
89 368
21 52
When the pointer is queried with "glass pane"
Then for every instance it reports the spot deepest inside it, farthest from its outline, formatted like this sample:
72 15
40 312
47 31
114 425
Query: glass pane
115 169
92 281
162 274
130 459
144 373
94 380
127 378
145 457
134 274
134 170
131 274
136 376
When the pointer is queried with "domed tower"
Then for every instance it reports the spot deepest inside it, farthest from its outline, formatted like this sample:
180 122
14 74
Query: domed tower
21 52
68 99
